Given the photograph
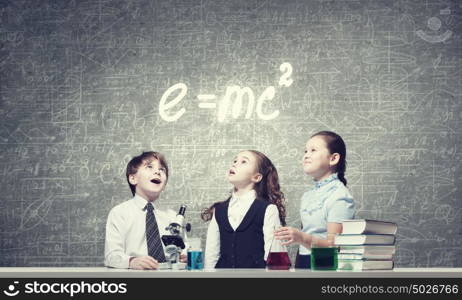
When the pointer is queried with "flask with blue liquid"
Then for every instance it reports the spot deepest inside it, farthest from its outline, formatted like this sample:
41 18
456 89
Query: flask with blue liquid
195 255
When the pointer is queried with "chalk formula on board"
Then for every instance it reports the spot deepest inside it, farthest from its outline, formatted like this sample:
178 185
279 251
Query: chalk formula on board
234 92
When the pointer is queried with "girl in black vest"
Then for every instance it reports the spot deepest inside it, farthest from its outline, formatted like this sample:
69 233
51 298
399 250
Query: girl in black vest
241 228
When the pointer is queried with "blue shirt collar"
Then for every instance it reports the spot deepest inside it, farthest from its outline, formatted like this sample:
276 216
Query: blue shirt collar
326 181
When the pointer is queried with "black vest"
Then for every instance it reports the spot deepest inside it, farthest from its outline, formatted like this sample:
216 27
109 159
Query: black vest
245 247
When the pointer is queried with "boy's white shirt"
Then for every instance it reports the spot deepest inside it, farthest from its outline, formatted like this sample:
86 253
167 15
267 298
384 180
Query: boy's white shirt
126 231
238 207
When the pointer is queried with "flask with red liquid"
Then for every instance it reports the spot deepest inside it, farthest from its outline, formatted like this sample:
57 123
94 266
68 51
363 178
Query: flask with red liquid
278 258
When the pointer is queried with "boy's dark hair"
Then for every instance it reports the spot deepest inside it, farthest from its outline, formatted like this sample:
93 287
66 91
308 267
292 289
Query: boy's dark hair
137 161
335 144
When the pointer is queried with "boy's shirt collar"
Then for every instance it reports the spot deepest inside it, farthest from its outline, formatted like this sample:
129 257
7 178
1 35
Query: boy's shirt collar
140 202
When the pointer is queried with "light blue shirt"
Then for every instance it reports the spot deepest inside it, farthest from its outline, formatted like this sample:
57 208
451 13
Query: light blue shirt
329 201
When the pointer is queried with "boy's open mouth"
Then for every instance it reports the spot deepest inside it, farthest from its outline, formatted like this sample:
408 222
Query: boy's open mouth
156 180
231 172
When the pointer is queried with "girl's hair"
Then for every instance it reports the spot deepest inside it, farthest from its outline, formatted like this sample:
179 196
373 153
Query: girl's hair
335 144
267 188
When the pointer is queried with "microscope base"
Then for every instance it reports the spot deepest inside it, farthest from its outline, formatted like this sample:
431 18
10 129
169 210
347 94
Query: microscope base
172 266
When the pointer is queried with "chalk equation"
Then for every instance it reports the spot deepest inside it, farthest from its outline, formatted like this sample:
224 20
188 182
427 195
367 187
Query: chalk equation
233 100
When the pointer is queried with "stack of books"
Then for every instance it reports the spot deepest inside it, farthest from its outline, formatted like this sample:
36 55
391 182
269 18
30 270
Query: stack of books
366 245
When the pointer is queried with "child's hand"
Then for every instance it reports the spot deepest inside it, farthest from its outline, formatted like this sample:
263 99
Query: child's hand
183 258
143 263
288 235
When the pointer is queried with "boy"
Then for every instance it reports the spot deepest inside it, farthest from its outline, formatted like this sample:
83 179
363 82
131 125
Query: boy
134 227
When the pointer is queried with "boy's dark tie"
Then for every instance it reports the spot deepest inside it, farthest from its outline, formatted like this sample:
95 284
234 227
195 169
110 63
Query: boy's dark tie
155 248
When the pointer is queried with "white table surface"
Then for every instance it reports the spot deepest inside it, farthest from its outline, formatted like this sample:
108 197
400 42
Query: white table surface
103 272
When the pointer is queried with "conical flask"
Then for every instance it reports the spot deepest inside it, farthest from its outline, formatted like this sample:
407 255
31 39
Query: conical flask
278 258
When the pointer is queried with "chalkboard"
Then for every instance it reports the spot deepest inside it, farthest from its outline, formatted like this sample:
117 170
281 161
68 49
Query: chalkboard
86 85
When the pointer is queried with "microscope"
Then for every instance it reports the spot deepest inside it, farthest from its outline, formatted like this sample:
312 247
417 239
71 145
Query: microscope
174 241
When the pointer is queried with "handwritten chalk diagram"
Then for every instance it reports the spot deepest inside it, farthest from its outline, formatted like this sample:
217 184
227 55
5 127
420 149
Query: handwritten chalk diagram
81 90
236 93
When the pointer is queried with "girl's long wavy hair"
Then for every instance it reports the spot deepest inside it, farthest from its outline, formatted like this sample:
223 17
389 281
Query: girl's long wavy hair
335 144
267 188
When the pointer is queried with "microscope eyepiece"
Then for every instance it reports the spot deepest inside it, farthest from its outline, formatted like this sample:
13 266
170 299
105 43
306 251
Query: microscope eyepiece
182 210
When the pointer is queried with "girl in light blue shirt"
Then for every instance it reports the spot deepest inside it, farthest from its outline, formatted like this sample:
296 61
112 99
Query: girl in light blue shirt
323 208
